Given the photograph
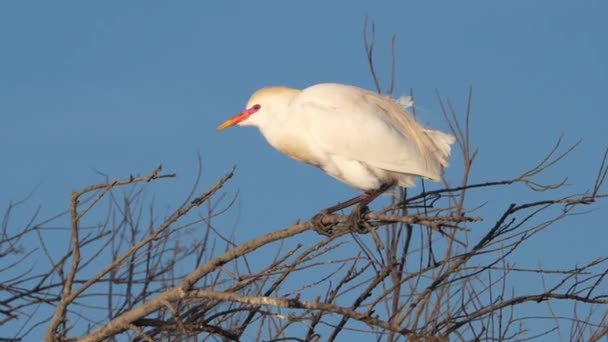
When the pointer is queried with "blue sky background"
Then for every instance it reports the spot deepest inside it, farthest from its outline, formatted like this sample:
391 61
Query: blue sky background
120 87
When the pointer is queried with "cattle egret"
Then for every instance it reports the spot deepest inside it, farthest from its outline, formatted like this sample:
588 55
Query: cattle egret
361 138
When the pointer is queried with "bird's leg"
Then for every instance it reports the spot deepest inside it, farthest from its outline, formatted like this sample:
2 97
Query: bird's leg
346 204
324 228
355 220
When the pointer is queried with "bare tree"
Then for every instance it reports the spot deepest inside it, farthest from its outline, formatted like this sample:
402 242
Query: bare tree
436 265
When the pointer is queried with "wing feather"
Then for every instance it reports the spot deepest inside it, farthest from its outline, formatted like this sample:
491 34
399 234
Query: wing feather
355 123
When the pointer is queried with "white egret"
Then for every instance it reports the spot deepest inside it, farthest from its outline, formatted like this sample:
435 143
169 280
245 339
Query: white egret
361 138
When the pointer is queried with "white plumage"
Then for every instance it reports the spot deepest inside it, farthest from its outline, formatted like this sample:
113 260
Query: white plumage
358 137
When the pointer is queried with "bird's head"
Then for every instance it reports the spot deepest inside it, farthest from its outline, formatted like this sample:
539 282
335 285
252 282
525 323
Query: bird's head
262 106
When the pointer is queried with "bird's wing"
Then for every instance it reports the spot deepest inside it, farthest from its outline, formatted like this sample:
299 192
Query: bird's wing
361 125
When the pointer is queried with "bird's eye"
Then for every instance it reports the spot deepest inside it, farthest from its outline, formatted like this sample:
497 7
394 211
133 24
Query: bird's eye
256 107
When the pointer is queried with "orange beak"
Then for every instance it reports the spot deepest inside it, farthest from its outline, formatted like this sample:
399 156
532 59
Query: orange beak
238 118
233 121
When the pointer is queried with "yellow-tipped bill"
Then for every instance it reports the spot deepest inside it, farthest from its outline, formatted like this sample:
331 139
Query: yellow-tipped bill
238 118
228 123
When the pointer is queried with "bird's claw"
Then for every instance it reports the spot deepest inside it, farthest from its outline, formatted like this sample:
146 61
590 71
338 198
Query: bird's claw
321 227
356 221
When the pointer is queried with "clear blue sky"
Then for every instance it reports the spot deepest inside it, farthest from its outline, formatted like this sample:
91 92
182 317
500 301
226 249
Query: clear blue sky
120 87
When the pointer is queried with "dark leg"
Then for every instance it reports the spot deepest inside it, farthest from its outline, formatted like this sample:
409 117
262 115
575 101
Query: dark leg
355 220
346 204
326 229
362 200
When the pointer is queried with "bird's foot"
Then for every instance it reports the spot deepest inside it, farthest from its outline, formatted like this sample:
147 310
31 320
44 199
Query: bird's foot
319 226
356 221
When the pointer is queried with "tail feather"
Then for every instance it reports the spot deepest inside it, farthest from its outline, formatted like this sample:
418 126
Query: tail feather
442 142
